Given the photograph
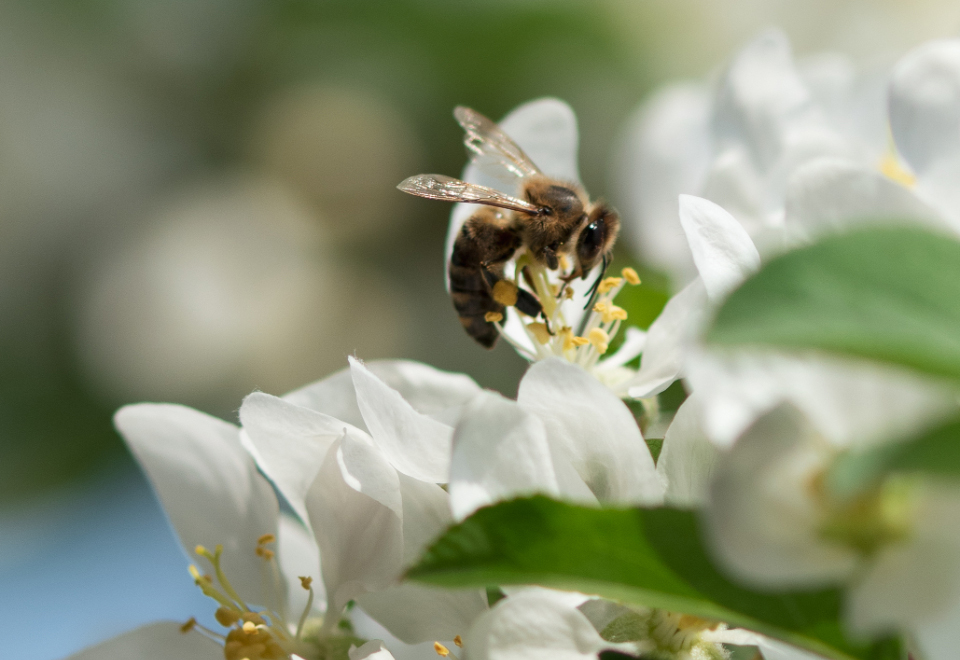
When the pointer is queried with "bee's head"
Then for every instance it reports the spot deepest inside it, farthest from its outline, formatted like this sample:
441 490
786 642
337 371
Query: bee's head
596 237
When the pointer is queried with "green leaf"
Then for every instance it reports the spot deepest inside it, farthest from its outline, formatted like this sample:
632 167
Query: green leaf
935 452
888 294
647 557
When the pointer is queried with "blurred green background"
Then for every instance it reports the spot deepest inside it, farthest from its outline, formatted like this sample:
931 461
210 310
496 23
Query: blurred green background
197 196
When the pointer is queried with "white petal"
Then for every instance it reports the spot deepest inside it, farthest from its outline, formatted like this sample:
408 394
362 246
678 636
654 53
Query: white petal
439 394
532 625
771 649
372 650
634 341
905 585
762 519
849 401
925 121
832 194
667 339
546 130
298 555
430 391
687 457
594 429
499 452
733 183
361 539
426 514
722 249
415 444
925 104
939 636
665 152
415 613
760 96
333 396
366 627
156 641
291 443
208 485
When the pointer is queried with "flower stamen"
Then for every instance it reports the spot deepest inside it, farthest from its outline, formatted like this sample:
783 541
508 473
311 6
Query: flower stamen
443 651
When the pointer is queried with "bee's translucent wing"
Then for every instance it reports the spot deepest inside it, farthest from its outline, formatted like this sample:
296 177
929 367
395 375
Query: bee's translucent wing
448 189
490 148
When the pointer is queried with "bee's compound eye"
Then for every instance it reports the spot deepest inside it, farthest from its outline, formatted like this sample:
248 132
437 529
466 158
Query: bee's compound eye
591 242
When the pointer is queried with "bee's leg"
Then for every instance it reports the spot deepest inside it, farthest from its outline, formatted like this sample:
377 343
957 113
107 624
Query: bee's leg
528 303
550 256
596 284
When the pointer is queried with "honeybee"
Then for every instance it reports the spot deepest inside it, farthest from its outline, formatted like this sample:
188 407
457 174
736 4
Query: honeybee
548 217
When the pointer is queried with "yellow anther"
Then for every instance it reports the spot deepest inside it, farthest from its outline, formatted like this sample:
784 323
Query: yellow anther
188 625
539 331
568 293
493 317
630 275
202 551
249 627
567 334
609 283
458 640
226 616
609 312
600 340
266 538
254 618
891 168
306 582
441 650
555 289
580 341
194 572
564 262
505 293
264 553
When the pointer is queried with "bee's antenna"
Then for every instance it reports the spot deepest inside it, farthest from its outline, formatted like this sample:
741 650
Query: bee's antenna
596 284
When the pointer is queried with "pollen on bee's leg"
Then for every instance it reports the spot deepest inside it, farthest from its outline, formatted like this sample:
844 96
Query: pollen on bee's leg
564 262
540 332
600 340
493 317
630 275
505 293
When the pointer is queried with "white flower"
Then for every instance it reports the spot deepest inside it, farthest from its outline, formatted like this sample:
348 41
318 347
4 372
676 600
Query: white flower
768 512
226 512
575 328
534 623
724 255
775 520
566 436
925 121
361 461
788 150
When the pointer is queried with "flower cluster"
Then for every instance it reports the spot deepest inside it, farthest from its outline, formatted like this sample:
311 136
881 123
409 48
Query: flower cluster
375 462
